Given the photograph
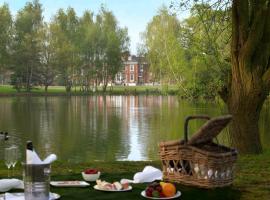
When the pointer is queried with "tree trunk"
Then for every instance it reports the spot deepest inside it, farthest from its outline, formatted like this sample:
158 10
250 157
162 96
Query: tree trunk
247 94
104 87
250 72
46 88
68 88
244 129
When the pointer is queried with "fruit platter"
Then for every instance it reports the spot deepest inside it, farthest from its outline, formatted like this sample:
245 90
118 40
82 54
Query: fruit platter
112 187
161 190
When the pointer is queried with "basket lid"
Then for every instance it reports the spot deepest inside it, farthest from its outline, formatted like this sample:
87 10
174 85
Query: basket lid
210 130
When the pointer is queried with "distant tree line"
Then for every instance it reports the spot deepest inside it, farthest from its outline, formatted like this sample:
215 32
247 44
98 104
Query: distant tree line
73 51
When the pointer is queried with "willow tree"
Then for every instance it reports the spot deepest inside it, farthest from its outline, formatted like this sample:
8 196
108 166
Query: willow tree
249 81
250 63
164 51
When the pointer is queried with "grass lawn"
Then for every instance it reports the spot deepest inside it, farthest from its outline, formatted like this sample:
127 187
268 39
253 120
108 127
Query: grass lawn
252 180
115 90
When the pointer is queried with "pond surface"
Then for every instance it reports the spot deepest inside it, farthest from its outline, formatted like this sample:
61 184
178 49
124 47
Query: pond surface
105 128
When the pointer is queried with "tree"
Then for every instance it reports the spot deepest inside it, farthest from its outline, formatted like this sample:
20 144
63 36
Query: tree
64 30
87 36
47 69
249 81
5 38
164 50
112 41
206 39
27 48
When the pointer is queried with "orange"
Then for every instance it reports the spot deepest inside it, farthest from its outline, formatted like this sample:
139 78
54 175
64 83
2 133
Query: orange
168 189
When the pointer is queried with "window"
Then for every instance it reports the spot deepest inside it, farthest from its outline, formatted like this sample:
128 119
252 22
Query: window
119 77
131 77
141 68
131 67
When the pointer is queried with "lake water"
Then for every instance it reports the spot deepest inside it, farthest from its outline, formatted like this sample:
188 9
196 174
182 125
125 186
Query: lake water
105 128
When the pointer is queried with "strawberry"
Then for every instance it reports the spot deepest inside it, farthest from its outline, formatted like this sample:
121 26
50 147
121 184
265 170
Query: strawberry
90 171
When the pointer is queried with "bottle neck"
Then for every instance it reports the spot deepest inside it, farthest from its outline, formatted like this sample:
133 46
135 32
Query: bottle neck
29 146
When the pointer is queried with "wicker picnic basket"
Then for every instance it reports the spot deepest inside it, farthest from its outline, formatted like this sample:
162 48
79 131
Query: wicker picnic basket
199 161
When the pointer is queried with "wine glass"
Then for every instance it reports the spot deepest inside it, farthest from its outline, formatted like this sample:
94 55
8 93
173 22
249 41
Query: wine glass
8 157
14 157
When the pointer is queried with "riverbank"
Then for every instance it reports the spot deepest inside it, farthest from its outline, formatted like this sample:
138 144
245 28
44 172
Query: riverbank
252 179
8 90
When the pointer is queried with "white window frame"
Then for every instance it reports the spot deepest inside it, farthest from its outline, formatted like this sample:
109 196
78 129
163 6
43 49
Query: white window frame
131 77
119 77
131 68
141 68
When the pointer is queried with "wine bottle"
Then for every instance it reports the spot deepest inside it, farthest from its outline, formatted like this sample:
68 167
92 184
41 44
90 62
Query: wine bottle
31 155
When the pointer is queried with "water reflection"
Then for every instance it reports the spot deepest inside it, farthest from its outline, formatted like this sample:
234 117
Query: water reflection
82 129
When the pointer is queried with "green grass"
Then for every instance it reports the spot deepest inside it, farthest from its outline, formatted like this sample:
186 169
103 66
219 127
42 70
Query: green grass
6 90
252 180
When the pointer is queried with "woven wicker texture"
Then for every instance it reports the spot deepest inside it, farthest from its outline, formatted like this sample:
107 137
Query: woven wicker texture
210 130
206 165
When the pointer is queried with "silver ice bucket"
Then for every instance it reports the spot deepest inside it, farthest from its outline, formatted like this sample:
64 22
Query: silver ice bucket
36 179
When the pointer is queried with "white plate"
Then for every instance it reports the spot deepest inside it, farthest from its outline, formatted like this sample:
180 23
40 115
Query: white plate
53 196
97 188
69 183
178 194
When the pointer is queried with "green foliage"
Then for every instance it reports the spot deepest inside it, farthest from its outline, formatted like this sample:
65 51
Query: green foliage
206 37
164 52
47 70
111 43
69 50
64 29
27 46
5 36
193 54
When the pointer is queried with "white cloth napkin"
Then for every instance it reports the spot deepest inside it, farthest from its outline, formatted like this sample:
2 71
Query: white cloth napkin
8 184
20 196
51 158
33 158
149 174
14 196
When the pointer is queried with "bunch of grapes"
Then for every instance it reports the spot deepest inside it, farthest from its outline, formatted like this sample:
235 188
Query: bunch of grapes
154 190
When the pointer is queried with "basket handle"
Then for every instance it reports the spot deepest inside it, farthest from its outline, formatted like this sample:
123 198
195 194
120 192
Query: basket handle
188 118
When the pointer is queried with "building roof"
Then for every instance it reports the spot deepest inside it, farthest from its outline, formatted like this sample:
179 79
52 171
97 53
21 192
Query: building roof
135 59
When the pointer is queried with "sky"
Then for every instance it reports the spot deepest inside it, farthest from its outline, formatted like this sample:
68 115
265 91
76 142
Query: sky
133 14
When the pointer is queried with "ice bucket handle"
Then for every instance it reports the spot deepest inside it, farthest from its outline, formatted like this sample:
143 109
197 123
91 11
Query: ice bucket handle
188 118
